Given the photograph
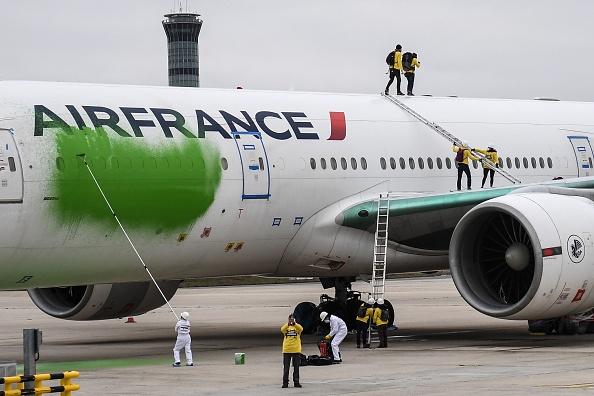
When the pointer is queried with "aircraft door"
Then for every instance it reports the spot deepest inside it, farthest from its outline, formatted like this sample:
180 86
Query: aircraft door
254 165
583 154
11 172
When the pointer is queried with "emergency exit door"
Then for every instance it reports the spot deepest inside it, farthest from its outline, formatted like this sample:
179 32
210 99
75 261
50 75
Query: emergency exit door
254 165
11 173
583 154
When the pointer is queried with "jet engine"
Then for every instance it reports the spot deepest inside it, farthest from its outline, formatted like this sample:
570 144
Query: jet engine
526 256
105 301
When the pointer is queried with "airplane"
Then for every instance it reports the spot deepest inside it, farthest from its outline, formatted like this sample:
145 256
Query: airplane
214 182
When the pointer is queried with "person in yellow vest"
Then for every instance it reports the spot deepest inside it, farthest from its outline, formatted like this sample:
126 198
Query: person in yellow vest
395 68
381 322
491 154
291 350
462 156
408 66
366 312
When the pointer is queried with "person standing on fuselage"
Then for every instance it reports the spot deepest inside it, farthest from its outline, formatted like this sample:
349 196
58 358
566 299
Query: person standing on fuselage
395 69
462 156
491 154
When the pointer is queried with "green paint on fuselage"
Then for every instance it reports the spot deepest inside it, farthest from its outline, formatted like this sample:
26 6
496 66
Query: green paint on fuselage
162 188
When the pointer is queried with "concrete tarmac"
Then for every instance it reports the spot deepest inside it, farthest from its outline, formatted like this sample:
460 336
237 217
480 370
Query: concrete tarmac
442 347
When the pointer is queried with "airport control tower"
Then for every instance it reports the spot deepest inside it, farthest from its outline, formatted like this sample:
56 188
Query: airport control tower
182 31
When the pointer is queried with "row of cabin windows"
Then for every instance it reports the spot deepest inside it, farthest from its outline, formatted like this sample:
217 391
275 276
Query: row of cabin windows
124 163
421 163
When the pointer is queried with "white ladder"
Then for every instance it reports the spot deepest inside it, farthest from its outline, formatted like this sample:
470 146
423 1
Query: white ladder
380 247
453 139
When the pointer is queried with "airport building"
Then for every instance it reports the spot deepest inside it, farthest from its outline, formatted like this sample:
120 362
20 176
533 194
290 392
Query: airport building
182 30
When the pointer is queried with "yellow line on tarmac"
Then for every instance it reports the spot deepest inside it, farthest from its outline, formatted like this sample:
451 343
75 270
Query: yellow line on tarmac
591 385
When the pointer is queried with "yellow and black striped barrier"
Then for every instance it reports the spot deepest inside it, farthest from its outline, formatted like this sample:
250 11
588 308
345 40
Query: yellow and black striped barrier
65 388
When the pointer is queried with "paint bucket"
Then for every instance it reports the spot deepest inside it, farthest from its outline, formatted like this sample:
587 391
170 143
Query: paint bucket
239 358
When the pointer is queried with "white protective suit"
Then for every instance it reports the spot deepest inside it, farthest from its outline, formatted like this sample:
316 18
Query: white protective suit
183 341
338 330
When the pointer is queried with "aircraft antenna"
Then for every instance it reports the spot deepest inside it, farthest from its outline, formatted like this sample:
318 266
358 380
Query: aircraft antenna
126 234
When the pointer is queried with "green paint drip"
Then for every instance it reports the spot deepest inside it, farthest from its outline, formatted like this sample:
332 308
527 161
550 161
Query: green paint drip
158 188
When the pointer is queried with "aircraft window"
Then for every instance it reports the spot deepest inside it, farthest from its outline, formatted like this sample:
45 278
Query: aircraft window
550 162
115 164
438 161
100 163
151 163
383 163
430 162
343 163
201 165
475 164
402 164
533 162
541 162
517 163
312 162
302 163
448 163
500 162
421 163
281 163
392 163
224 163
164 163
323 163
363 163
525 162
127 164
333 163
353 163
509 162
59 163
565 162
590 161
411 163
189 163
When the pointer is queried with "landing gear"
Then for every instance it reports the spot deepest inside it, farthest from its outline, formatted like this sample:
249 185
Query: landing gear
565 325
345 304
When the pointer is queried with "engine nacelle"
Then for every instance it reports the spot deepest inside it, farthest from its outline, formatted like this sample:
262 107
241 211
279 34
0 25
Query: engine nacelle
106 301
526 256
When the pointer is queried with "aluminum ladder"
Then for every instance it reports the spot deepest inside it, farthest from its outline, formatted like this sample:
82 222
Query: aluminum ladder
380 247
453 139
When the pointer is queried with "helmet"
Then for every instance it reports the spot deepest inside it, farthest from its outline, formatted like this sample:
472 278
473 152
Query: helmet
185 315
491 146
380 301
323 316
465 143
371 301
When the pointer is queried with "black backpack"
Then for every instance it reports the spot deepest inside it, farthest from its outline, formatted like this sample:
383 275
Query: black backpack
384 315
362 311
390 59
407 59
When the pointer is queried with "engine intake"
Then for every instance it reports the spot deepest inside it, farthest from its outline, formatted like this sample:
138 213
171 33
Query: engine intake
526 256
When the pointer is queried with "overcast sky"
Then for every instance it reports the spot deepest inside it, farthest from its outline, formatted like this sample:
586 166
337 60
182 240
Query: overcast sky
469 48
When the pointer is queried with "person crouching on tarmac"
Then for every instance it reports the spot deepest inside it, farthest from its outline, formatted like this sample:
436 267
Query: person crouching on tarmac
291 350
382 325
363 315
338 330
184 340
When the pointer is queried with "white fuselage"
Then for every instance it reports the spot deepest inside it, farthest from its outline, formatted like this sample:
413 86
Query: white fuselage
306 160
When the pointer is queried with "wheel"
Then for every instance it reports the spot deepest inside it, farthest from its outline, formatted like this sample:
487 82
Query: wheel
352 306
305 315
391 309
